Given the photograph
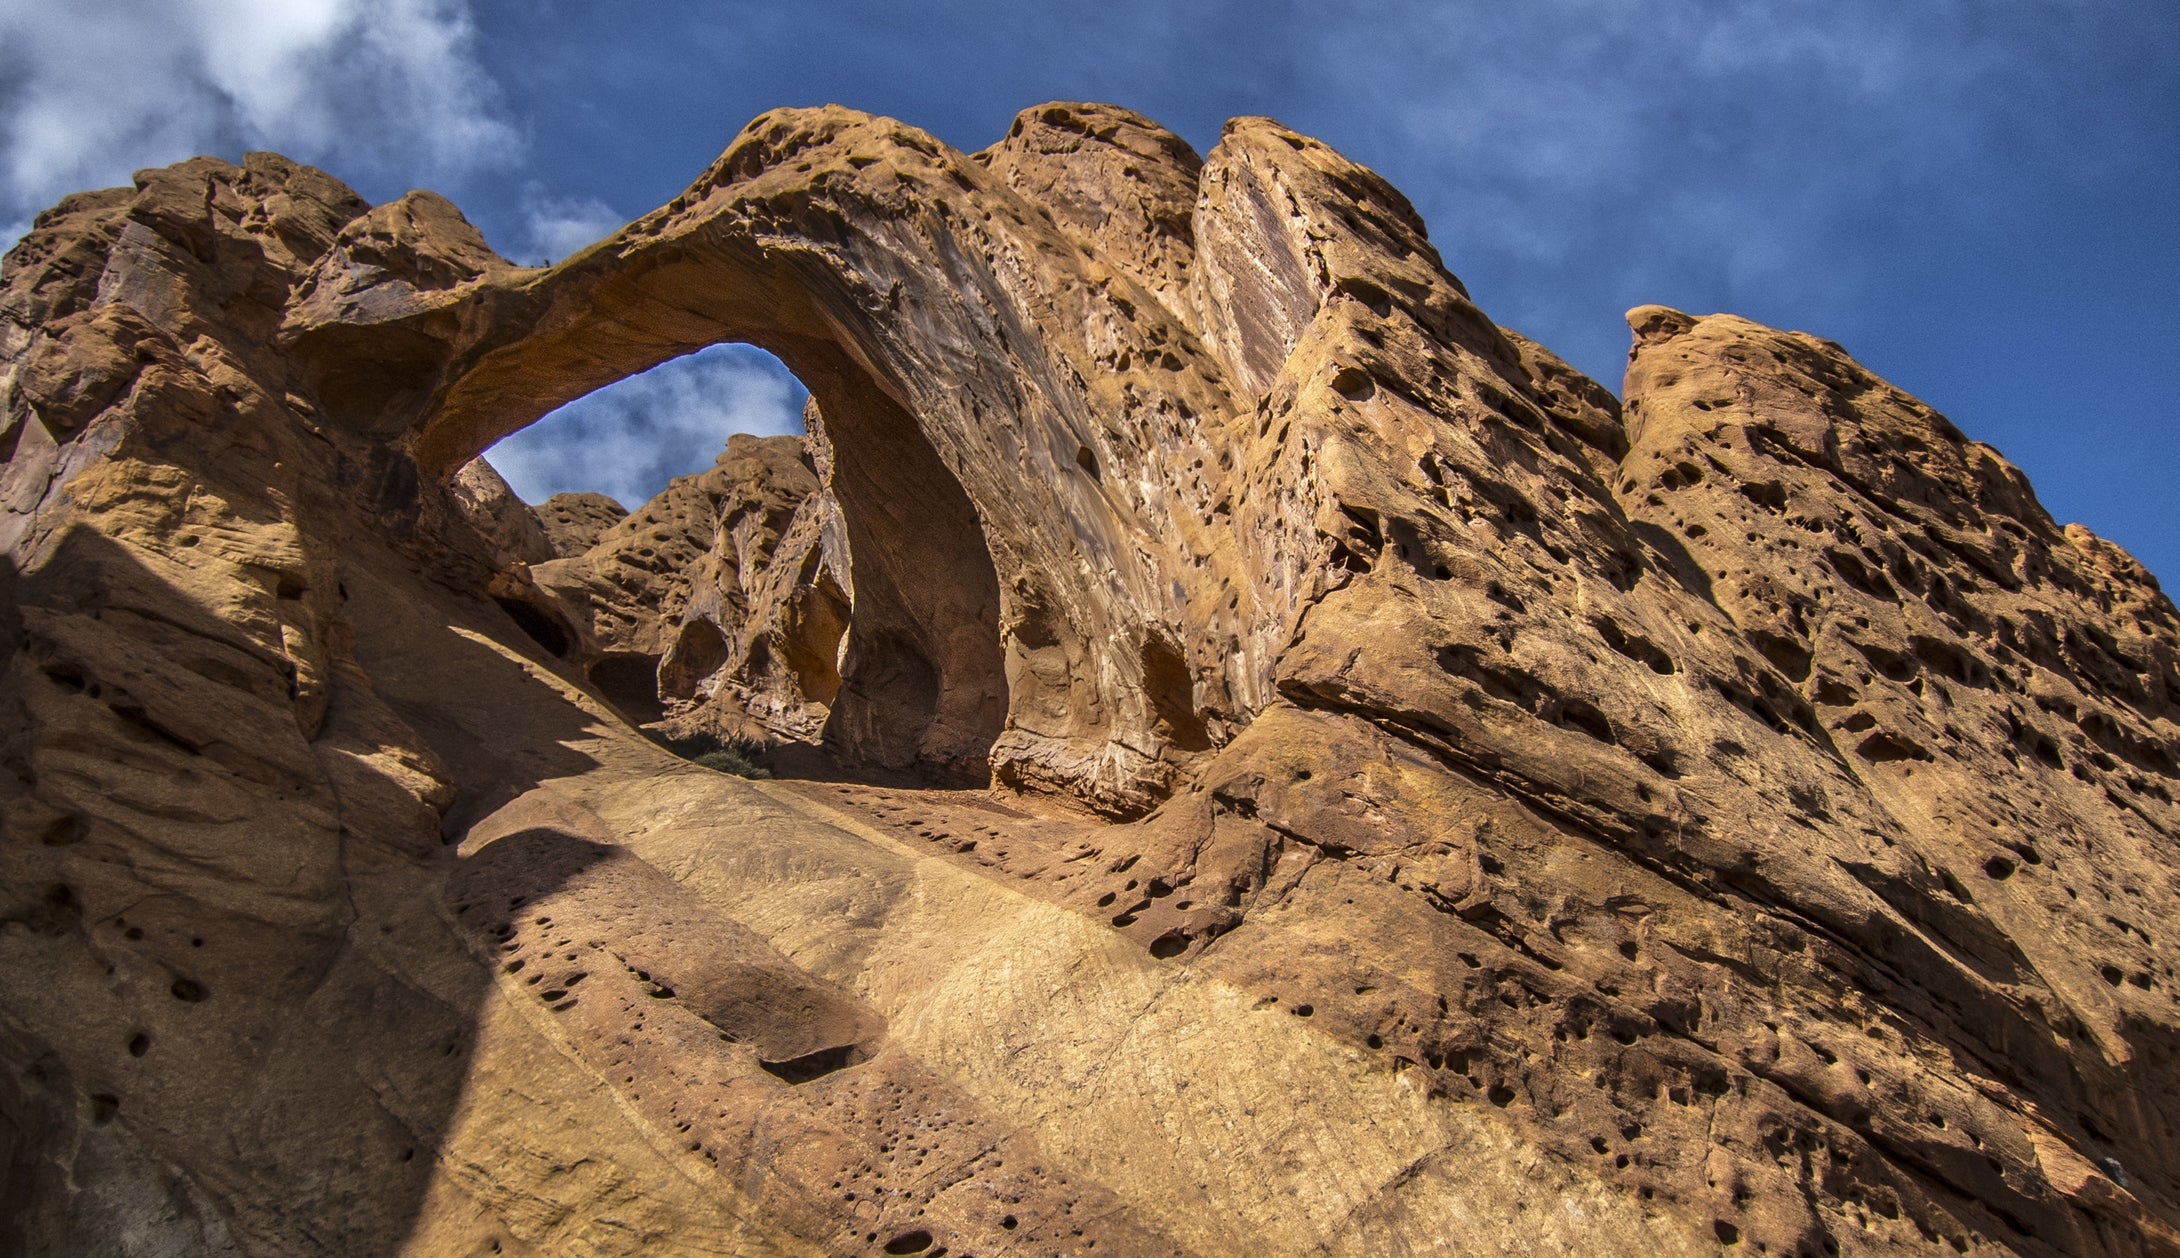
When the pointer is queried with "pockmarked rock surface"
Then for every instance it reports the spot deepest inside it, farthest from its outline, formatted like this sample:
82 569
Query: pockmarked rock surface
718 606
1305 771
574 522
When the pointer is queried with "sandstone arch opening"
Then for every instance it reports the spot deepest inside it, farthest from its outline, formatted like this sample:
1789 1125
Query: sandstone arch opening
627 440
833 589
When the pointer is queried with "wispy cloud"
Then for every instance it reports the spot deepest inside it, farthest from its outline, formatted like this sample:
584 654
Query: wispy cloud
554 227
1723 142
90 91
628 439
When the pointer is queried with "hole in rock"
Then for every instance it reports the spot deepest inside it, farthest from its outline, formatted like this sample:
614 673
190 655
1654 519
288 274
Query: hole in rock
538 623
814 1065
1171 691
810 644
1354 384
861 629
630 682
699 651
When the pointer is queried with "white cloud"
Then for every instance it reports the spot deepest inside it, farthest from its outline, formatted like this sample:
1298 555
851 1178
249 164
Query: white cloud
94 89
628 439
554 227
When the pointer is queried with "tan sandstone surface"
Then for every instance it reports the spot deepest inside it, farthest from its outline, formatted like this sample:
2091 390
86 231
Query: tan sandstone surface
1287 766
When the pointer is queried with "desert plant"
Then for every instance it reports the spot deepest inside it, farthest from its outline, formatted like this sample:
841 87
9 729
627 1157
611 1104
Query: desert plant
733 762
743 757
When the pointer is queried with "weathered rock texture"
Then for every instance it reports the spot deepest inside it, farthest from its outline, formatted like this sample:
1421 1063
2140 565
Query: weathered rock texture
1416 806
573 523
719 605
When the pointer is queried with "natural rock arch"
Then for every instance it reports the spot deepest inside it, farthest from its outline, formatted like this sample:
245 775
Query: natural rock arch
1014 554
1715 819
923 685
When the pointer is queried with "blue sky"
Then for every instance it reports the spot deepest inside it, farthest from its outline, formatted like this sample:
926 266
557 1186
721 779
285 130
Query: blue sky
1978 199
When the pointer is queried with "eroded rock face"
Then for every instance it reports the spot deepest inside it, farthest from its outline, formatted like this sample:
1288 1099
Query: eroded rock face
720 605
1430 809
573 523
516 534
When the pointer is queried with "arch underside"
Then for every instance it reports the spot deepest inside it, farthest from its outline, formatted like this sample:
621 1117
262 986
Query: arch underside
922 683
1011 585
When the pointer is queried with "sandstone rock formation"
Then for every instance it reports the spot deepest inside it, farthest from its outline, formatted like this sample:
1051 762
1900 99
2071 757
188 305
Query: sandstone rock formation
1385 796
517 535
719 604
573 523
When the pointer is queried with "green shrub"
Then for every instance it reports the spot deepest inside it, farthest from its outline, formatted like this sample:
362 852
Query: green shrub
743 757
731 762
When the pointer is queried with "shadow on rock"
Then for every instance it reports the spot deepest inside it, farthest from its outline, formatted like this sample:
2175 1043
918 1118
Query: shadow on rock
220 941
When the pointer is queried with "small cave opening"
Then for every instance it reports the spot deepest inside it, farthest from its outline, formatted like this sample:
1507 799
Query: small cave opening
1171 692
810 645
630 682
541 626
699 651
822 582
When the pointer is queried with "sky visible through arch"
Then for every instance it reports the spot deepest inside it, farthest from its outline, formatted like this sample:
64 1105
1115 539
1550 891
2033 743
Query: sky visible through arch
1975 198
628 439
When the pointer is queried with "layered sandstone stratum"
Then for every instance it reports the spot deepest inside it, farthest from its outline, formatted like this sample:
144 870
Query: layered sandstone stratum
1270 761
